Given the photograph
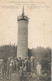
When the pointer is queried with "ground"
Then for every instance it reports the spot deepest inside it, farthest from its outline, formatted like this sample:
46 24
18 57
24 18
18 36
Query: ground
16 77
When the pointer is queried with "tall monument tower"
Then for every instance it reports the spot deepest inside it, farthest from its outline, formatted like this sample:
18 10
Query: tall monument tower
22 48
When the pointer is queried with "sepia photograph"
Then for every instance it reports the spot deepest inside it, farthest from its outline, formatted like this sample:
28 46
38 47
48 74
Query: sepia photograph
25 40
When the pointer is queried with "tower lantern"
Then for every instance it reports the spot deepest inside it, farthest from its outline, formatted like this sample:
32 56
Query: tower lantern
22 50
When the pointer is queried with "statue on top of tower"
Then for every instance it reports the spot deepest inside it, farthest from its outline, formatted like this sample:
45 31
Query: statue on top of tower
23 12
22 16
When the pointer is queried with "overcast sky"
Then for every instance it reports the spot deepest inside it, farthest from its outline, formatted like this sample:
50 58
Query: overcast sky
39 27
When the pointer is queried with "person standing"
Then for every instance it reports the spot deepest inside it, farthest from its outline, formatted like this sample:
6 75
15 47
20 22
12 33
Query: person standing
39 67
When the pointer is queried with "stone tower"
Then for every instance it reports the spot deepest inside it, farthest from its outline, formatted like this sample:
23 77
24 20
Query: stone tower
22 47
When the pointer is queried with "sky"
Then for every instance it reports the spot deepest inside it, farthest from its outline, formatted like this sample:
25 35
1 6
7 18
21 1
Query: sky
39 13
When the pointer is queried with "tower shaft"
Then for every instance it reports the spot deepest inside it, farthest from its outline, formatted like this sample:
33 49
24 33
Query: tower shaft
22 39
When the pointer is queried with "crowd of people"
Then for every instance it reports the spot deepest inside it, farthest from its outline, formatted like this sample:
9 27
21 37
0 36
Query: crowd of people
27 65
23 66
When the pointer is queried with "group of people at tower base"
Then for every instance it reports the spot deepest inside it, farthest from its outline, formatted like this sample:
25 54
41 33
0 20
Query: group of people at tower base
23 66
